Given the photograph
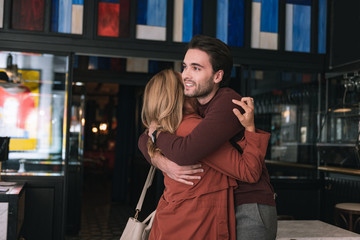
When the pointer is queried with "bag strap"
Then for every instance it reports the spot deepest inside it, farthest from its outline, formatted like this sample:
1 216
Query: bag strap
147 184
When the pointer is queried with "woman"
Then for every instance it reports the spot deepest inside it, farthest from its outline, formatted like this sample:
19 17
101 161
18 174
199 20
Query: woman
204 210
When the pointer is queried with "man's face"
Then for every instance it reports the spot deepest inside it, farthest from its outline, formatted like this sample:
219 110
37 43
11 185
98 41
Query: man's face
199 79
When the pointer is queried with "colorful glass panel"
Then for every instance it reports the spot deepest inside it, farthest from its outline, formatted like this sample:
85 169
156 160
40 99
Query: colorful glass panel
151 20
108 19
264 24
187 19
28 15
322 26
298 25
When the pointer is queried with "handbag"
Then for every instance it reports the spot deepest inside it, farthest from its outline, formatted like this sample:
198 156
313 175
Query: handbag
134 229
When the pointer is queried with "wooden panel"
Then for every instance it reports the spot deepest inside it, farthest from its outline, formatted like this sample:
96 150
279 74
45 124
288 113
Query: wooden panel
28 15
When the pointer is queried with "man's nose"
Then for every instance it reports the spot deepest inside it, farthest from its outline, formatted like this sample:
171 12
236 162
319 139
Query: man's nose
185 74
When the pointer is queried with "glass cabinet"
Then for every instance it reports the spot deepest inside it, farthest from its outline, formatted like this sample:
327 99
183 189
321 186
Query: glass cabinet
340 122
33 104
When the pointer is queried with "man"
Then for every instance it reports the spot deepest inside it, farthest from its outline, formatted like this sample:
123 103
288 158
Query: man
207 67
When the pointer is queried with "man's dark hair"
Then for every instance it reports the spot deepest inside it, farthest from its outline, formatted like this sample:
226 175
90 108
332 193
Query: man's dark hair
220 54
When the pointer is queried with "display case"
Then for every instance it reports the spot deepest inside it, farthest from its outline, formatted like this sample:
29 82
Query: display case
33 112
340 122
34 100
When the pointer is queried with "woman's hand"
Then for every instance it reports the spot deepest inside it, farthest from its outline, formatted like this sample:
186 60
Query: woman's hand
246 119
153 126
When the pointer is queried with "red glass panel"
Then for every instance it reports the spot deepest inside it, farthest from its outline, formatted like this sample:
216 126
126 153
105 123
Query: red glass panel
124 18
28 15
108 19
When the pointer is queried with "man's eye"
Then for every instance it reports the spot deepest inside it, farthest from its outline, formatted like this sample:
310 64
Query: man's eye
196 68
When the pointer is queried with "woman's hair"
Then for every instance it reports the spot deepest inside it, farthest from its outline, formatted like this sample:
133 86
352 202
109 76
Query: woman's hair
163 103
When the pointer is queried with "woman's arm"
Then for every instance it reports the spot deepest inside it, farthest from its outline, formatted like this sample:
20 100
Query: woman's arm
183 174
246 166
218 126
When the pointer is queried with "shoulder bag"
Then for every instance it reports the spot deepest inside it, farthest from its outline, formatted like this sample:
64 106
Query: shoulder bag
134 229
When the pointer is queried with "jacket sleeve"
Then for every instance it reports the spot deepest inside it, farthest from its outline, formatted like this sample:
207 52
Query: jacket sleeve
245 167
142 144
217 127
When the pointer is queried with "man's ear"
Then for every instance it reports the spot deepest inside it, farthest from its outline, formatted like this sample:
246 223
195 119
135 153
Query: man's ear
218 76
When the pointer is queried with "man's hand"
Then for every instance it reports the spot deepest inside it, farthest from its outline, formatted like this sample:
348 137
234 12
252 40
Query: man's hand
246 119
178 173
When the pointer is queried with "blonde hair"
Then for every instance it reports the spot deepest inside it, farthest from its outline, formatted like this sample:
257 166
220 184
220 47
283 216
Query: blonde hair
163 103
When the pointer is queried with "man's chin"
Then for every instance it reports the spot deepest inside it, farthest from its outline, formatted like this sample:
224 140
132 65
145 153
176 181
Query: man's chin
189 94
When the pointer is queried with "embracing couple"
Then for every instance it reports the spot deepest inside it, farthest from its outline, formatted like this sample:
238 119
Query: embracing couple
201 135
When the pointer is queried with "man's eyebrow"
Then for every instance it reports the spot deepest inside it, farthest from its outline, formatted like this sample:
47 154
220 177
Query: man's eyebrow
196 64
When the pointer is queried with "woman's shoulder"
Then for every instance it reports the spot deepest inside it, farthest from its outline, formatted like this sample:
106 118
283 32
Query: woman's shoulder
189 122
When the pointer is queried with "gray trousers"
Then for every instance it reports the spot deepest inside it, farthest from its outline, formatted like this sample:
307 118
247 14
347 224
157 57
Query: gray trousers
256 222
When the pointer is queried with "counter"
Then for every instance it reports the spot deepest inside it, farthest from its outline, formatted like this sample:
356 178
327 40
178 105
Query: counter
11 210
312 230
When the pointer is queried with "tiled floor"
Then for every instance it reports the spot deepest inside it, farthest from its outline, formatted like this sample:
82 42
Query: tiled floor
100 218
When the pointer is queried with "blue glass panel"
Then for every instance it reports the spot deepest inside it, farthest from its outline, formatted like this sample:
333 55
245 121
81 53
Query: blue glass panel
233 72
299 2
142 12
65 12
236 23
197 29
76 61
269 16
153 66
104 63
256 0
156 13
301 29
222 20
55 15
188 20
322 26
78 2
93 62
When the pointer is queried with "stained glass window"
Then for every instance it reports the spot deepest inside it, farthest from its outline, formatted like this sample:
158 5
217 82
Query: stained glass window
187 19
151 20
230 22
264 24
67 16
322 26
28 15
298 25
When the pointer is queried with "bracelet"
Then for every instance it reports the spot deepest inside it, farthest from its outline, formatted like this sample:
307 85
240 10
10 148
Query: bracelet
153 136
